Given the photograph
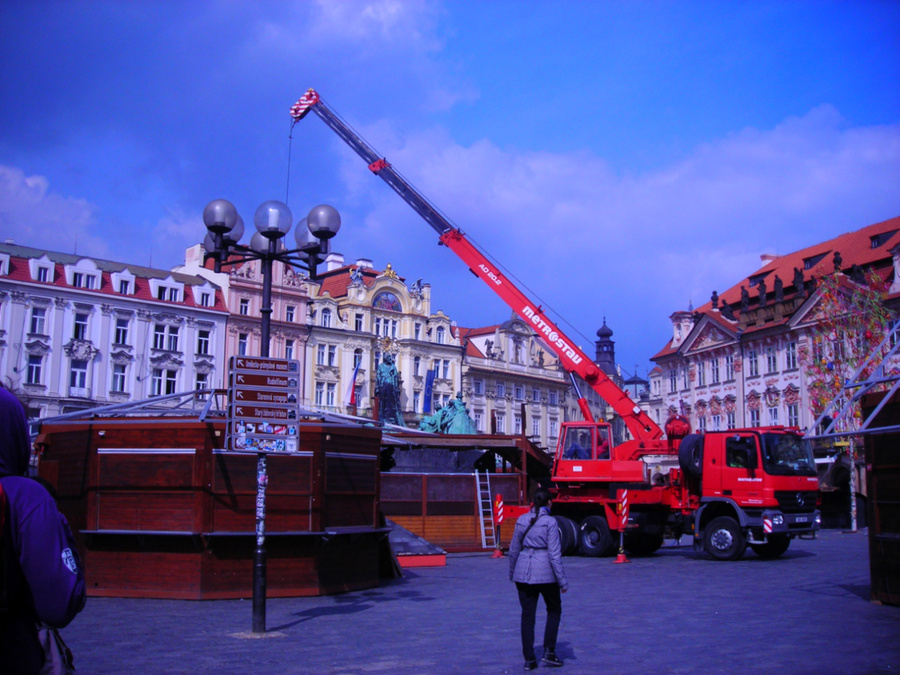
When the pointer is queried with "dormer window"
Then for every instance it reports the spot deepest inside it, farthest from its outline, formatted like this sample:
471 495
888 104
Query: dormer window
166 289
809 263
4 264
877 240
204 295
41 269
123 282
83 274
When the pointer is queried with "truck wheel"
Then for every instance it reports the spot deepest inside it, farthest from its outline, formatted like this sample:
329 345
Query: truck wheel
690 455
641 543
723 539
595 540
774 547
568 535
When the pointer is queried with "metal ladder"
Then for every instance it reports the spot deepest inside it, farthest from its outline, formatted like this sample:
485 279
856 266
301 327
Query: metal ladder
486 509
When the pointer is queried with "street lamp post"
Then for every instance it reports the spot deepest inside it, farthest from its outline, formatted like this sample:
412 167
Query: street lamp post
313 235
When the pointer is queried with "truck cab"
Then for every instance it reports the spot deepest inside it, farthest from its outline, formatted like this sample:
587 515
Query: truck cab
757 487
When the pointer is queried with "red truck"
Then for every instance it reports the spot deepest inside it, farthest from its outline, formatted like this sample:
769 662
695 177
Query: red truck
727 489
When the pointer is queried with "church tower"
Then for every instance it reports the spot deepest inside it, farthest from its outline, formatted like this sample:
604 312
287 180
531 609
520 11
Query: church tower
606 350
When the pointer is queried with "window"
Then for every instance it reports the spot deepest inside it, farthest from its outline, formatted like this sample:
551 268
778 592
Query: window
536 395
358 323
78 378
446 369
123 287
34 370
417 364
729 367
330 394
159 336
206 299
553 399
753 363
203 342
519 393
793 415
701 425
730 420
118 378
501 423
320 394
478 387
78 280
326 318
160 295
716 422
244 307
771 360
242 344
773 416
754 418
332 355
685 377
790 357
172 343
174 296
701 374
441 335
164 382
417 331
121 337
201 381
289 349
517 425
536 427
818 351
501 390
81 326
43 274
554 429
320 355
673 379
714 370
357 357
38 316
289 313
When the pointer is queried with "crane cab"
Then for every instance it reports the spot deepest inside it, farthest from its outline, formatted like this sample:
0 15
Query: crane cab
584 452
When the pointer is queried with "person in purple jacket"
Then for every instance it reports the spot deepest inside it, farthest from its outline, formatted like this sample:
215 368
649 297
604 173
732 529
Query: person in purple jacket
41 572
535 564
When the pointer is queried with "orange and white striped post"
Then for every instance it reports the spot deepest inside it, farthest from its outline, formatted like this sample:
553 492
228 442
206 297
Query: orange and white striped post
623 523
498 520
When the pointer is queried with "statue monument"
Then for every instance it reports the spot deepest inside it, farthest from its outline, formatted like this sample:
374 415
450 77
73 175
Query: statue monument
453 418
387 389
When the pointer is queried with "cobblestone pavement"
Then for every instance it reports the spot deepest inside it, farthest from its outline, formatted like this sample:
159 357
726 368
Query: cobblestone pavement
674 612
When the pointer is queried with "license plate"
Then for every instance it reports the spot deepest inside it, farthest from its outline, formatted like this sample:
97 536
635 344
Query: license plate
802 519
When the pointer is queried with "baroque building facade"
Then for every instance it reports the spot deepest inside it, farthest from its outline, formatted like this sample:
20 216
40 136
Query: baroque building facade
739 360
76 332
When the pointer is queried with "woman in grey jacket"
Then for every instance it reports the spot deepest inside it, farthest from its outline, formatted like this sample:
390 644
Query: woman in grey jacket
535 564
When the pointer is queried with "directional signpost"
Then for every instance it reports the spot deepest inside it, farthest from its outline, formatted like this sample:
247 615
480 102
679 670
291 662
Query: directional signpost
262 405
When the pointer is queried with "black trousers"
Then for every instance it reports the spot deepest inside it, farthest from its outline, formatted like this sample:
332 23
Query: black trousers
528 598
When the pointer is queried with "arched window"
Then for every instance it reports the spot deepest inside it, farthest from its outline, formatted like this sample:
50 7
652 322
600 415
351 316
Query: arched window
440 335
326 318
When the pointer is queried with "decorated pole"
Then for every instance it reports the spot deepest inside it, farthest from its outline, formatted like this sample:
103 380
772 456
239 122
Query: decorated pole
498 520
623 523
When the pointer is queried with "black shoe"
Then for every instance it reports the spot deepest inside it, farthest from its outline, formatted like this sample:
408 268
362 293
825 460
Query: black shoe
531 665
551 659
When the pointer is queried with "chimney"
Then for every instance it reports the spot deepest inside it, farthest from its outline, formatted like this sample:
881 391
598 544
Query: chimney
334 261
365 263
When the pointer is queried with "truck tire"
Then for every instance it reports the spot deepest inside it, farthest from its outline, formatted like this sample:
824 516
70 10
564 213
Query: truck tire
568 535
774 547
690 455
723 539
595 540
641 543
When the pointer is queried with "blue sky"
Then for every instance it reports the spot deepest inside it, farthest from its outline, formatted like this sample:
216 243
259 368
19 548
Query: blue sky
622 159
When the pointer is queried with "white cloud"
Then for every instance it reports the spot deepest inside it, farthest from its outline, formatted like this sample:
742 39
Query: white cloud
30 212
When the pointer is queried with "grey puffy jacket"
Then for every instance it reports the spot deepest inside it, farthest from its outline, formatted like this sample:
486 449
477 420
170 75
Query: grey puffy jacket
535 558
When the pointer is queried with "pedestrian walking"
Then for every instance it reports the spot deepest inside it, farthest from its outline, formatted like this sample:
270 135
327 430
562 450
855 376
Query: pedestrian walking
40 575
535 565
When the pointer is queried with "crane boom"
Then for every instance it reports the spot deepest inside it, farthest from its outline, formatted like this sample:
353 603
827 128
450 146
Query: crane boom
573 360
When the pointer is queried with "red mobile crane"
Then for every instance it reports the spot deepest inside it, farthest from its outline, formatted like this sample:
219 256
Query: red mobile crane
710 485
